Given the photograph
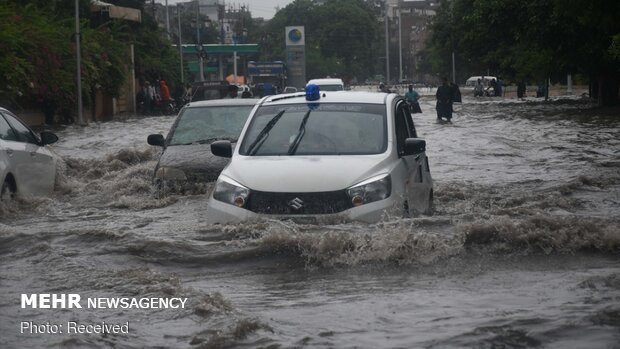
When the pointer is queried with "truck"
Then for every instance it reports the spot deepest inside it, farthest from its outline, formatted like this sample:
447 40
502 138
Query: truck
265 74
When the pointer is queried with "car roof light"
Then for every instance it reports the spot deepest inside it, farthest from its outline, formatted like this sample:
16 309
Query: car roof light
312 92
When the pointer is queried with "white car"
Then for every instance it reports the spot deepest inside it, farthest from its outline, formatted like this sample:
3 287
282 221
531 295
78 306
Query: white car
328 84
352 156
27 166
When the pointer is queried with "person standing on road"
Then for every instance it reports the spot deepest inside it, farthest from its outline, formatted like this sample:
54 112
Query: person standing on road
479 89
412 97
383 88
444 97
499 88
164 91
456 93
149 97
48 105
521 89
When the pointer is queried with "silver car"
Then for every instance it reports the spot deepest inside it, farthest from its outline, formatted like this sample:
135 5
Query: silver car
27 165
186 157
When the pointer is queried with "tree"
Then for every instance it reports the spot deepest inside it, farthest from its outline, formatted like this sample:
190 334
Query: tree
338 36
38 51
535 40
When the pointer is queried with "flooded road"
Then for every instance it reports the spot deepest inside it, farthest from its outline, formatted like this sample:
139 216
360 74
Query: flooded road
523 250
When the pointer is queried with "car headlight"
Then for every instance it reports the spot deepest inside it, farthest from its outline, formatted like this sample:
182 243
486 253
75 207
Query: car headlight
170 173
370 191
230 193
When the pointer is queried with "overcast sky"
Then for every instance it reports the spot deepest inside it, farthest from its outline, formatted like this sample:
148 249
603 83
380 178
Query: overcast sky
259 8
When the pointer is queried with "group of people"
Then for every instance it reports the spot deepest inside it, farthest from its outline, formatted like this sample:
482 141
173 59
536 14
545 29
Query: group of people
233 92
151 98
447 94
495 88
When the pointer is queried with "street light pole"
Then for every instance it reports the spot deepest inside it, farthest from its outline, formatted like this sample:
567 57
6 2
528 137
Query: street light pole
78 59
400 48
387 45
180 41
202 76
167 20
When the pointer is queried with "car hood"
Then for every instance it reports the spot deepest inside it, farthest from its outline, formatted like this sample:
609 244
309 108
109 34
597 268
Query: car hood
304 173
192 158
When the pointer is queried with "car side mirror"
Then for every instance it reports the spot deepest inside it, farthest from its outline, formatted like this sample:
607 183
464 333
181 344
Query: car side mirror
48 138
156 140
222 148
414 146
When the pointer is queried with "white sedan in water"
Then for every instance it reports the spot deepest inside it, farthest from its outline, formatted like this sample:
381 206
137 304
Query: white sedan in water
338 155
27 166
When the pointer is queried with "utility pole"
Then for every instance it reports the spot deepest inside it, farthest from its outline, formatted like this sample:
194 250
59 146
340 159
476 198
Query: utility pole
400 48
133 78
79 64
387 45
167 21
180 41
202 76
452 41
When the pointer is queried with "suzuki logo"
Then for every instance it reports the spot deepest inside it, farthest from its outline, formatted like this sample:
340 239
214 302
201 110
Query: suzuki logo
296 203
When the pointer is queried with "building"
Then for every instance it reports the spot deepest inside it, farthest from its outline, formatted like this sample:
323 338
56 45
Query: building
410 19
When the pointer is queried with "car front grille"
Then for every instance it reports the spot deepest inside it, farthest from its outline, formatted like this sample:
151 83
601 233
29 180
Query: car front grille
298 203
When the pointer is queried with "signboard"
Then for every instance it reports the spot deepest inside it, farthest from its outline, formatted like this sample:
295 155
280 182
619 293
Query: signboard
296 55
265 69
295 36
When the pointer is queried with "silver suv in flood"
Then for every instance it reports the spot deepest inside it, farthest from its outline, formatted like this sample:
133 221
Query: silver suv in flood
345 155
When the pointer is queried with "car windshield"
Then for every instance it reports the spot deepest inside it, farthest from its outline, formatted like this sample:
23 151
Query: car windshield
324 129
205 124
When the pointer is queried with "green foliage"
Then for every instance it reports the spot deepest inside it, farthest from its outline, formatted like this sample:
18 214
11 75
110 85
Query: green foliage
342 36
531 40
37 40
614 49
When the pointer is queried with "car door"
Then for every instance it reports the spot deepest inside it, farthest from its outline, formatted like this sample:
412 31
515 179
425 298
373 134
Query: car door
33 165
416 192
9 145
423 184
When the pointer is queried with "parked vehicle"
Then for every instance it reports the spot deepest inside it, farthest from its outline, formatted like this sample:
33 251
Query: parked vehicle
270 74
27 165
209 90
290 89
328 84
486 80
186 156
345 156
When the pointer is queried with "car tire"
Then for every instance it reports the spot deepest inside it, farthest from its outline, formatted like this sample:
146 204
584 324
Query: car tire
7 193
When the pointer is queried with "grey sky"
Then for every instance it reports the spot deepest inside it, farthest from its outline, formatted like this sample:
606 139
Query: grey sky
265 8
259 8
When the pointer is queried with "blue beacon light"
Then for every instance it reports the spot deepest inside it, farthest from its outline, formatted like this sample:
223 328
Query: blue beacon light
312 92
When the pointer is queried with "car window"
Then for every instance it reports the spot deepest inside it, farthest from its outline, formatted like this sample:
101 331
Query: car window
209 123
328 129
410 125
22 131
401 127
6 132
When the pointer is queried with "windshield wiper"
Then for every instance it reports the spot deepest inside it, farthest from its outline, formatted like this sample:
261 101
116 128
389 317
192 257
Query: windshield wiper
264 133
292 149
208 140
